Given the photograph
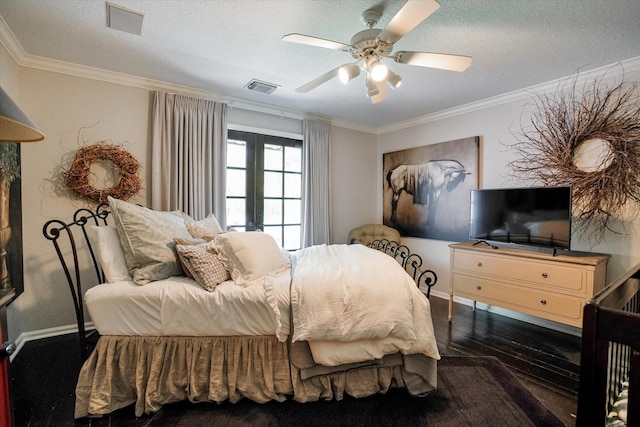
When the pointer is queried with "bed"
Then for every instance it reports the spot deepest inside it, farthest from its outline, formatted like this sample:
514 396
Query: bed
609 393
185 311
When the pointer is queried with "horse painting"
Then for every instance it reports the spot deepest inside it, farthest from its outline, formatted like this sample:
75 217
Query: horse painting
424 182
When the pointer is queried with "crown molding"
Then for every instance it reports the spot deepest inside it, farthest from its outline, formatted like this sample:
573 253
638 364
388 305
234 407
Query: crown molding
9 41
23 59
612 71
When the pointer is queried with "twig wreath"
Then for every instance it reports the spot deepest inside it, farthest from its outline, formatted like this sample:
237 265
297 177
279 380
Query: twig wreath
125 169
588 139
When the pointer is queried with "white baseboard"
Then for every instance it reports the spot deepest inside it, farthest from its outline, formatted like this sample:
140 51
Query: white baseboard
47 333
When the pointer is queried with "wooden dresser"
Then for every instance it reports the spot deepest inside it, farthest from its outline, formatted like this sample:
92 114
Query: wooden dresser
536 283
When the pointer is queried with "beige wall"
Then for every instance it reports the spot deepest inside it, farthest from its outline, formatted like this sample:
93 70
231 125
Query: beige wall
353 171
9 74
494 125
72 111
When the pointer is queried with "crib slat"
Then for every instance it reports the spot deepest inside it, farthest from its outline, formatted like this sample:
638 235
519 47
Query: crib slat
611 351
633 417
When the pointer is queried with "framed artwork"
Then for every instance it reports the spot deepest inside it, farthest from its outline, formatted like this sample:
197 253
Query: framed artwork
426 190
11 266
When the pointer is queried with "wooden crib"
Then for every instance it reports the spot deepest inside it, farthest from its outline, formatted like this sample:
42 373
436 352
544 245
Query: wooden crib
611 354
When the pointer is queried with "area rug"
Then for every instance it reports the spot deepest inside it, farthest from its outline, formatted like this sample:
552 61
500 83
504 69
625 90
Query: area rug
472 391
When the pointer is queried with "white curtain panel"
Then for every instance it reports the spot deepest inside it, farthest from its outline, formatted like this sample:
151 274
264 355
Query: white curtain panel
315 183
188 157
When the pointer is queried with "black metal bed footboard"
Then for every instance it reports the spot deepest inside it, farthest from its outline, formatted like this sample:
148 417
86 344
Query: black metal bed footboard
412 263
611 351
68 238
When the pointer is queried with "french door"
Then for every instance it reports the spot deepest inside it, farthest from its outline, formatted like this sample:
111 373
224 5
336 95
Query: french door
264 186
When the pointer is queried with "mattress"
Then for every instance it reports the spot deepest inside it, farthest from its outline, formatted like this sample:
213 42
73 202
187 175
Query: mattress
178 306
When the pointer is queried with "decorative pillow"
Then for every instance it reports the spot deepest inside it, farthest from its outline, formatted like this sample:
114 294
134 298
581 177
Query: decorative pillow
249 256
146 237
202 265
189 241
206 228
106 245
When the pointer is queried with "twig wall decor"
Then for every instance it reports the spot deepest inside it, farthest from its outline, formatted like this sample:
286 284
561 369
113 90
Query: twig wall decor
587 138
125 172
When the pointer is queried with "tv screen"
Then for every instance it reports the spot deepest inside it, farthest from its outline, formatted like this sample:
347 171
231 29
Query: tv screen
538 216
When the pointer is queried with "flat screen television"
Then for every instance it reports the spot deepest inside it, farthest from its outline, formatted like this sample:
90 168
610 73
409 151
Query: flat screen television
539 216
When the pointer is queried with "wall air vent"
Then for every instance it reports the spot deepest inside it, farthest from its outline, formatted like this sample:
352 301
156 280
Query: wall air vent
260 86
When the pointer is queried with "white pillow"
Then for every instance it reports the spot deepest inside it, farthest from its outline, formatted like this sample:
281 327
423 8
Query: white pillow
106 245
249 256
206 228
146 237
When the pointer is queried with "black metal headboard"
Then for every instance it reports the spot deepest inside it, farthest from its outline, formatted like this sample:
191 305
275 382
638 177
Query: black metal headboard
70 234
412 263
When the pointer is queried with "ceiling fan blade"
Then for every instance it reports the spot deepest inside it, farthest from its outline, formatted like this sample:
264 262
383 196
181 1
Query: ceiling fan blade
315 41
442 61
407 18
319 80
382 92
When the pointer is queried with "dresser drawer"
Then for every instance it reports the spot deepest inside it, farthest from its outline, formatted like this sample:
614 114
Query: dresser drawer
540 303
557 275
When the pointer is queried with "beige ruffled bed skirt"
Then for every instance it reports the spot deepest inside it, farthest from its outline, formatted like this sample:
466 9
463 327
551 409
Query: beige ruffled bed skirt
153 371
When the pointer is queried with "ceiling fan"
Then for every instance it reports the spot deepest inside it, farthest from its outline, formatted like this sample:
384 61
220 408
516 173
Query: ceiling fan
372 45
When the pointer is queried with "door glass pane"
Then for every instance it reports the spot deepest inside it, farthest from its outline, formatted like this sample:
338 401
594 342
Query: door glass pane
236 182
273 184
273 211
293 159
292 237
292 185
236 153
273 157
292 212
236 212
276 232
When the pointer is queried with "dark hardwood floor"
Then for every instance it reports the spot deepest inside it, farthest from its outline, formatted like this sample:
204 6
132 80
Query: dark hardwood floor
44 373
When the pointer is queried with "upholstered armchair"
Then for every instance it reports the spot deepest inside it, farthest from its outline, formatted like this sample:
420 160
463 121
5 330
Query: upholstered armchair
367 233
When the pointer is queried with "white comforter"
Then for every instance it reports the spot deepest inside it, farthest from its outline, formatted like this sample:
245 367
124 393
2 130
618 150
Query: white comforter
361 307
350 302
178 306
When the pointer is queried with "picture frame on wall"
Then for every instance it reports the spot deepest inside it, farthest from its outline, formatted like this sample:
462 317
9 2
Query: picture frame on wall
426 190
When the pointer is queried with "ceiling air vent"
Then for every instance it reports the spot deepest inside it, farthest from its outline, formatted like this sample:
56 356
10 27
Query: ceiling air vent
119 18
263 87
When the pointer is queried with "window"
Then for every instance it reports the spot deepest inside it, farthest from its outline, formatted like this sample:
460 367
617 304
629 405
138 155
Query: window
264 186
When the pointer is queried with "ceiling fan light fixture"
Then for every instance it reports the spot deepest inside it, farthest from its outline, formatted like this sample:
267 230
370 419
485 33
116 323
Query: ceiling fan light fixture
372 88
348 72
378 70
368 47
394 80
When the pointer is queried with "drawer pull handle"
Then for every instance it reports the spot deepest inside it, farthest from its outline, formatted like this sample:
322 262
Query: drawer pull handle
545 275
479 264
543 302
478 287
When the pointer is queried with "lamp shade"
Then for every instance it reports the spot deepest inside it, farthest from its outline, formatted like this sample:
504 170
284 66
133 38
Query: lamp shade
15 126
348 72
393 79
372 89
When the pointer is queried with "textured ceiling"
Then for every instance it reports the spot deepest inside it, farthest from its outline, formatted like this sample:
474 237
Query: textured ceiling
219 46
